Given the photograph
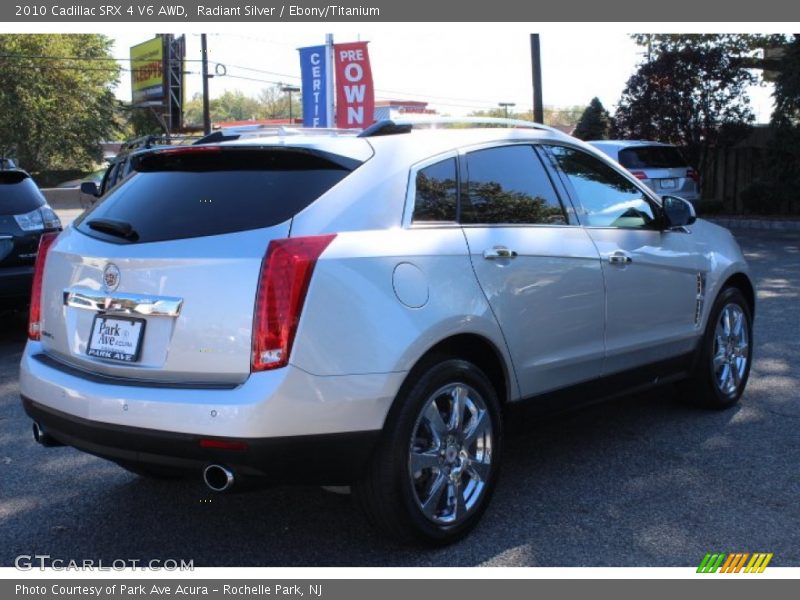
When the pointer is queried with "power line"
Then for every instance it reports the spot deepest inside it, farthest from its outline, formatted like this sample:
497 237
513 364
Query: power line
88 58
252 79
55 68
254 70
448 101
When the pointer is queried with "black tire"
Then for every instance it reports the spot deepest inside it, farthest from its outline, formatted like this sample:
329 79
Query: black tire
703 388
468 457
152 471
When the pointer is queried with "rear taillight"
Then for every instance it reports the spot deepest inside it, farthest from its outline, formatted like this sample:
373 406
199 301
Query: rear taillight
35 315
188 150
639 174
693 175
285 274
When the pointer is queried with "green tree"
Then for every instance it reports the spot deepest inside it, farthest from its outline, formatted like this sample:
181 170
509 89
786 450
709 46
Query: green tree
56 99
140 121
776 190
274 104
694 97
787 86
270 103
745 49
193 111
594 123
235 106
563 116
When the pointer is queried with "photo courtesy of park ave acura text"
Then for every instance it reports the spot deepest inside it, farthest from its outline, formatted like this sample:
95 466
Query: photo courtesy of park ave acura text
348 293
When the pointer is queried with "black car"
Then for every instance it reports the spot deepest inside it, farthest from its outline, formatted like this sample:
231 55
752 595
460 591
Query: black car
24 217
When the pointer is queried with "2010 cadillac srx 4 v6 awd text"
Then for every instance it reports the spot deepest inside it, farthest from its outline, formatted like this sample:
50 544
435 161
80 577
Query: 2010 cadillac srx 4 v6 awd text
363 309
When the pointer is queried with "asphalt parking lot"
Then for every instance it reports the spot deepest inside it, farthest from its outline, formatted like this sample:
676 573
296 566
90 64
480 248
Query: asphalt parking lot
640 481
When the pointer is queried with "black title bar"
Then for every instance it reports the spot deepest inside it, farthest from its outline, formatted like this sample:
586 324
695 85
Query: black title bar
343 11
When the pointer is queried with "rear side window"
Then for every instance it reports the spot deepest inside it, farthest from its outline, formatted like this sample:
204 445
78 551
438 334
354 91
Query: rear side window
436 192
509 185
18 193
211 191
653 157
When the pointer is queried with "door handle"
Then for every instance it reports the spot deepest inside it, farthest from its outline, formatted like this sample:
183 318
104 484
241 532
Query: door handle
499 252
619 258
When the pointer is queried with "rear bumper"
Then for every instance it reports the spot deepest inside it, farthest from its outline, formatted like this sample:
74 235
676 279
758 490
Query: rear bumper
335 459
295 425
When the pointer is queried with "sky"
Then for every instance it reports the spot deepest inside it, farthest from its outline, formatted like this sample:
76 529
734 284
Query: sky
457 68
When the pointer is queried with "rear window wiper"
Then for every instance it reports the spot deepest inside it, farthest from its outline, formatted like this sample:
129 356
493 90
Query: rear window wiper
113 227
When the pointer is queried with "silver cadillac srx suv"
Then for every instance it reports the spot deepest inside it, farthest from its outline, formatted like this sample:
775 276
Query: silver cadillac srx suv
363 310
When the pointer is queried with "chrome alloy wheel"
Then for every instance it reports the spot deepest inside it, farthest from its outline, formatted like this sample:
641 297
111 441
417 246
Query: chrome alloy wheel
731 349
450 453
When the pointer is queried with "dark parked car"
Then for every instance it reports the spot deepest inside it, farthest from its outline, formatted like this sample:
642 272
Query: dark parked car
24 216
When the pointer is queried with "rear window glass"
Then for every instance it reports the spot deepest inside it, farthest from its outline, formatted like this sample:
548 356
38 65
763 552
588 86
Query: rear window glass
18 193
660 157
211 191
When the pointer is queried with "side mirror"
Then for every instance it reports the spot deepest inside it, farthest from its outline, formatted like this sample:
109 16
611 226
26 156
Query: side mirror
677 212
90 188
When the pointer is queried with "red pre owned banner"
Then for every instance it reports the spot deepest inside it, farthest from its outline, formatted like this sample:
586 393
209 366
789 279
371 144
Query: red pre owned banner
355 96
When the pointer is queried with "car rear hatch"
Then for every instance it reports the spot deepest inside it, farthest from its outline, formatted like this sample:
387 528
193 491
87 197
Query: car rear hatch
24 215
662 167
158 281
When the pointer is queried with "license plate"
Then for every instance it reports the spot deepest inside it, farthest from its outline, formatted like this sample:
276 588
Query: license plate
116 338
667 184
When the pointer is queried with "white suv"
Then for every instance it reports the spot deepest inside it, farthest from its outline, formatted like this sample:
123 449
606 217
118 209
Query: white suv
661 167
363 310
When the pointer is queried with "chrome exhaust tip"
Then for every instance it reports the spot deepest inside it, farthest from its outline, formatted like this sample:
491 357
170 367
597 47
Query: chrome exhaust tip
218 478
44 438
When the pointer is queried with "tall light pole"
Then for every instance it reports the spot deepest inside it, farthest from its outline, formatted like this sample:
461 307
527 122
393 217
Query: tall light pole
289 89
505 106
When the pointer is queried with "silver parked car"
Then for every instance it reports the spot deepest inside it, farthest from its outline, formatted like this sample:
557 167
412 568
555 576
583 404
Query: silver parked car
659 166
364 309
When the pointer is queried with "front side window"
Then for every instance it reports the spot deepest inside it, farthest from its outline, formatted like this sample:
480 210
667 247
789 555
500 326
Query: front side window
509 185
606 198
436 192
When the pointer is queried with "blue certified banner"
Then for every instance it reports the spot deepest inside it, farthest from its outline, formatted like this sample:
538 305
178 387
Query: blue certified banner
315 70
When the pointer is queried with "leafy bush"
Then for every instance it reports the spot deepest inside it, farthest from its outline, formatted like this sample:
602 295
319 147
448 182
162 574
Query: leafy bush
709 207
763 197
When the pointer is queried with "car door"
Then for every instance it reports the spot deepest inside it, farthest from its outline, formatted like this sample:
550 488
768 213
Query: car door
654 278
538 269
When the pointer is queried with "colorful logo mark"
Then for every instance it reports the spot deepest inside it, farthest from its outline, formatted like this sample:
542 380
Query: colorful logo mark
734 563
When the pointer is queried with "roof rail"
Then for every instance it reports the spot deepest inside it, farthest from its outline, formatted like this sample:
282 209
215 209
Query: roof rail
260 130
406 124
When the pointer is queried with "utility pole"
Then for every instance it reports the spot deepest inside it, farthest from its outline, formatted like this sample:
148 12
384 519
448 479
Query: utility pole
330 109
289 89
536 64
206 111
